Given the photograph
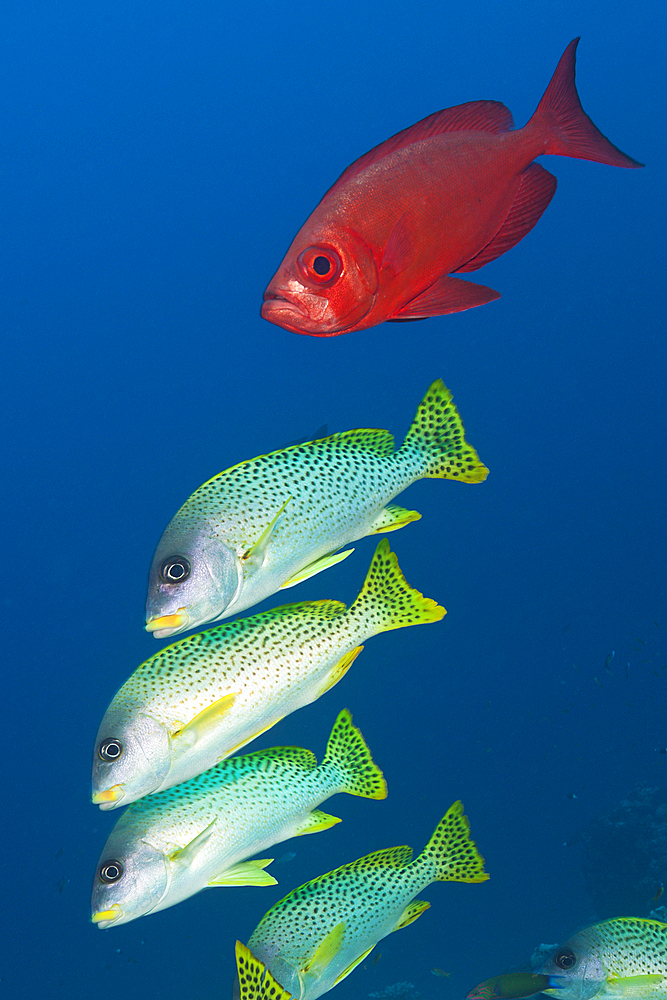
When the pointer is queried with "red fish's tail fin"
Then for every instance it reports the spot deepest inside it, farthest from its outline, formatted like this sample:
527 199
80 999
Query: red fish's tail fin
567 128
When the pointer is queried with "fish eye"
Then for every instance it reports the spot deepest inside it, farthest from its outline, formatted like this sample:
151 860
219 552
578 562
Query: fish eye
565 958
175 569
111 871
321 265
110 750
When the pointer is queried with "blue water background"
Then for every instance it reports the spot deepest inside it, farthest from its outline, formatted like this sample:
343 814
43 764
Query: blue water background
156 161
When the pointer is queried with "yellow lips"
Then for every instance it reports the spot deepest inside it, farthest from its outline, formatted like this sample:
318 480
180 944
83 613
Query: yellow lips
113 794
170 622
113 914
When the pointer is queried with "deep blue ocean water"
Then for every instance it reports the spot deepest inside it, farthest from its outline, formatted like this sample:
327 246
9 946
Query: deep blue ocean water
156 161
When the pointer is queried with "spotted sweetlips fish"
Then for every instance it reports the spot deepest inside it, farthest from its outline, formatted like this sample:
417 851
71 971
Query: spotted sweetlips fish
271 522
624 958
318 934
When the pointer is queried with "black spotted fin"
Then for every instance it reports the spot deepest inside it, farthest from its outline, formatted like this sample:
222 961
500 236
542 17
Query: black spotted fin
255 980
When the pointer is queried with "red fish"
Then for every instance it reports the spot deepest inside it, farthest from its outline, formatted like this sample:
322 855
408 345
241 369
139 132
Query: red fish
442 197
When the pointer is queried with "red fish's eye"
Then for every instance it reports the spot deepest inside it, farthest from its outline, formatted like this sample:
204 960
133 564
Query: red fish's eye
321 265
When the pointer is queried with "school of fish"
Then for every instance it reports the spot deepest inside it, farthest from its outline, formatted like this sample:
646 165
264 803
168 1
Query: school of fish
387 241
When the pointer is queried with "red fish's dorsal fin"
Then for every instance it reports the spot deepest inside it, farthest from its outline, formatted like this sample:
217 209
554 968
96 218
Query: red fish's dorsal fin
570 132
475 116
537 189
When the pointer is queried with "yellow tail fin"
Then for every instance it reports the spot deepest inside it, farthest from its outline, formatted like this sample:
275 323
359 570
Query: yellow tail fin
348 752
438 436
255 980
387 601
452 851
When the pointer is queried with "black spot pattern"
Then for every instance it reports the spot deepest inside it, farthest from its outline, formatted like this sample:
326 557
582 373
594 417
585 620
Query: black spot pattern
627 946
336 489
369 896
438 433
255 981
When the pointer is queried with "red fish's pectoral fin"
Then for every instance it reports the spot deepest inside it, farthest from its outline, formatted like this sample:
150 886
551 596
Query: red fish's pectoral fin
536 191
446 295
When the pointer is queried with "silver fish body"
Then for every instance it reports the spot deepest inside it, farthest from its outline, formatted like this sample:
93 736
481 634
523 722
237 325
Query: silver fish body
169 846
278 519
203 698
318 934
617 959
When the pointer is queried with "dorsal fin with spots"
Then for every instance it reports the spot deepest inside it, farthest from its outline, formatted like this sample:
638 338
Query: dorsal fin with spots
362 439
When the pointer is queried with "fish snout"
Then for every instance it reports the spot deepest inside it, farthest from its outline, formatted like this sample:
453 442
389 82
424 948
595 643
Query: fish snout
110 798
105 918
166 625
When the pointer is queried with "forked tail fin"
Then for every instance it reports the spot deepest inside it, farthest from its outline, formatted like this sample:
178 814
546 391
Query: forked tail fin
437 436
387 601
569 130
254 981
451 850
348 752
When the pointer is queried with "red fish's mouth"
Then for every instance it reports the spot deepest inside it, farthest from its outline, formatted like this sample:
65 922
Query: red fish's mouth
299 311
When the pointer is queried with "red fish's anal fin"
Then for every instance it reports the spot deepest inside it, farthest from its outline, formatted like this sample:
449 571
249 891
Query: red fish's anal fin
474 116
536 191
446 295
569 130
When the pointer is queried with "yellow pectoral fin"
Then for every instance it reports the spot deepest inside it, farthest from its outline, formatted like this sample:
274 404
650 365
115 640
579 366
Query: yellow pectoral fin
326 952
246 873
353 965
411 912
340 669
254 557
634 986
315 822
208 719
392 518
315 567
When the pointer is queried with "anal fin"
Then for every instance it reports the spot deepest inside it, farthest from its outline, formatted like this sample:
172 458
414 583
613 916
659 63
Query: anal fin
446 295
411 912
315 822
324 562
392 518
339 670
535 192
246 873
635 987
